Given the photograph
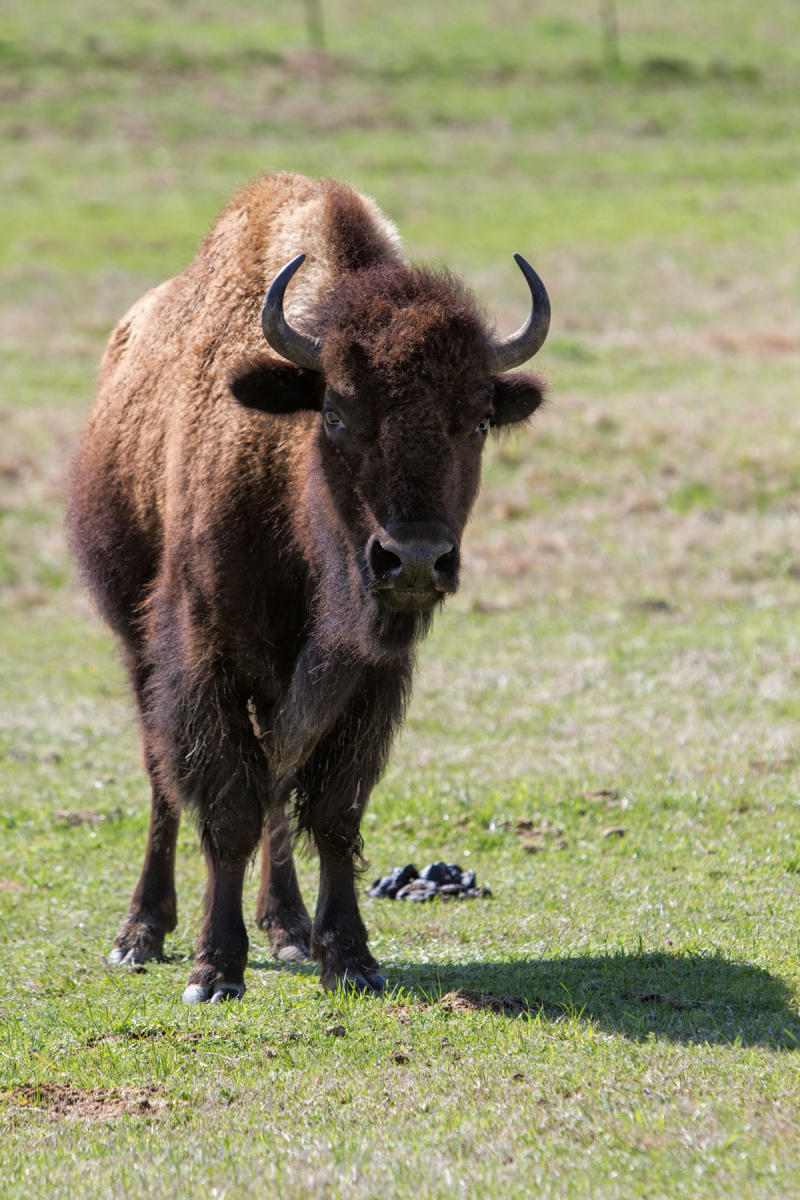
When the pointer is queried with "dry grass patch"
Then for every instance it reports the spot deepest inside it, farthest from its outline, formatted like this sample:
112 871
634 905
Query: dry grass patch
84 1104
465 1000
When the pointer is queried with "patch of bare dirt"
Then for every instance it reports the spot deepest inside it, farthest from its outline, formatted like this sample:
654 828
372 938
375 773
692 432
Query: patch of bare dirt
465 1000
753 342
608 796
85 816
190 1036
537 837
85 1104
773 766
402 1013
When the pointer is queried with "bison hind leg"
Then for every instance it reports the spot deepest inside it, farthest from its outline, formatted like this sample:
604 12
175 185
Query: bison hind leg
280 910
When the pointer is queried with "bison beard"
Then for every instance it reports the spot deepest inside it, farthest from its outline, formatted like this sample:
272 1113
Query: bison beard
269 529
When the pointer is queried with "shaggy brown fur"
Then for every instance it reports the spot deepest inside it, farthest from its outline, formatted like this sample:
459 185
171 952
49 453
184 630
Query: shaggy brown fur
269 543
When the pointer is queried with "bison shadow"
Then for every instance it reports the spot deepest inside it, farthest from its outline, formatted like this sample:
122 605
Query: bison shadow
679 997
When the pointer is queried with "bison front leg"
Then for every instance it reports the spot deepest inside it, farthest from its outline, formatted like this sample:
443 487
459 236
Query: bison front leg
333 790
329 743
339 936
231 827
221 956
152 912
280 910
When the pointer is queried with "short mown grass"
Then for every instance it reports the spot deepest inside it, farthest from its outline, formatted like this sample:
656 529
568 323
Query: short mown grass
605 723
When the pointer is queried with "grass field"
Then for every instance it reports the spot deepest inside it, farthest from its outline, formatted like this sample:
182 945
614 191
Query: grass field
606 719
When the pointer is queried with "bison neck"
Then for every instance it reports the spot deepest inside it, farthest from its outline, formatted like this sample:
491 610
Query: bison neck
325 688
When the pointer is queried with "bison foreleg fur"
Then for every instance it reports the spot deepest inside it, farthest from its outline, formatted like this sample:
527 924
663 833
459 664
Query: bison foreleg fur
333 790
221 955
339 936
153 909
152 912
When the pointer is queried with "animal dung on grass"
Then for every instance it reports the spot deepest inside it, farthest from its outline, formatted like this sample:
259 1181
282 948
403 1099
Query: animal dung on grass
267 504
445 881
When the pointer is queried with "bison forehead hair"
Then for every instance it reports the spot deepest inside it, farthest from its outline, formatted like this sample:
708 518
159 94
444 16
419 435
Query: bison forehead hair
406 326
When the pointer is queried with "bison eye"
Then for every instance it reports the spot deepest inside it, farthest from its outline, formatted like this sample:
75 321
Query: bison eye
332 418
484 425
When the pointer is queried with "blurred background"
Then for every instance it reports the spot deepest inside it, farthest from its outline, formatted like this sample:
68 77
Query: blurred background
633 569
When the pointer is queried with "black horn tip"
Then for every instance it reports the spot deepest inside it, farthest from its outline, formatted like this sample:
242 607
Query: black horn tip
533 278
298 348
506 353
275 292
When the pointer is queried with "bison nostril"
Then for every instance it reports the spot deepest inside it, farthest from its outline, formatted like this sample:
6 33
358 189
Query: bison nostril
446 564
383 561
418 562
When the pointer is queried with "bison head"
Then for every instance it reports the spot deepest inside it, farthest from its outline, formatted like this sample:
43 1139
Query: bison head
409 382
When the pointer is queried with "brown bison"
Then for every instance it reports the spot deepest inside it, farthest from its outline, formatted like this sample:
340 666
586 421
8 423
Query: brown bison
268 529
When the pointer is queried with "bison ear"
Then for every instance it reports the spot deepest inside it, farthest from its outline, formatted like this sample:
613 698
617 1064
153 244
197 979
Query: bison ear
516 397
276 387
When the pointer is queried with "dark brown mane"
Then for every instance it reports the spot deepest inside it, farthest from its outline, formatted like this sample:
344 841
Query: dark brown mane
381 319
350 229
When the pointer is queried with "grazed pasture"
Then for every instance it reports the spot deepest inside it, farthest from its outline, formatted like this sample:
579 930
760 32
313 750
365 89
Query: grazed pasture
606 720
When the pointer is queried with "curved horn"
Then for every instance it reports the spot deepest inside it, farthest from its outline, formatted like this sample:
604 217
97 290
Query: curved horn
520 346
300 349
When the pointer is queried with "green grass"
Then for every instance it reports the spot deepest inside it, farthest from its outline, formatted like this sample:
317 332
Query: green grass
606 719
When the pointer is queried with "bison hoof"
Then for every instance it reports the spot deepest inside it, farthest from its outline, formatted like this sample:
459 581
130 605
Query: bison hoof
132 956
120 957
352 981
289 937
138 941
227 991
197 993
293 953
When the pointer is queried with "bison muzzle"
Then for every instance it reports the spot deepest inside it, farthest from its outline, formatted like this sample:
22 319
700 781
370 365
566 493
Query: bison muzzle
268 503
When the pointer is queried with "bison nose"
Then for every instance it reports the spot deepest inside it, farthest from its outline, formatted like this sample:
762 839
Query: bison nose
414 560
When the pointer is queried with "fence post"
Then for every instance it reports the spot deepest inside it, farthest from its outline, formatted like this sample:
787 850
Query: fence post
316 29
608 19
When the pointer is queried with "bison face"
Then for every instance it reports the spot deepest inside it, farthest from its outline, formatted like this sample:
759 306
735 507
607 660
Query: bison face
400 453
394 472
403 470
404 378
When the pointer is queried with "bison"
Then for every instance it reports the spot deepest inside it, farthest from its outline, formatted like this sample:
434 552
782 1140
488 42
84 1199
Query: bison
269 529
